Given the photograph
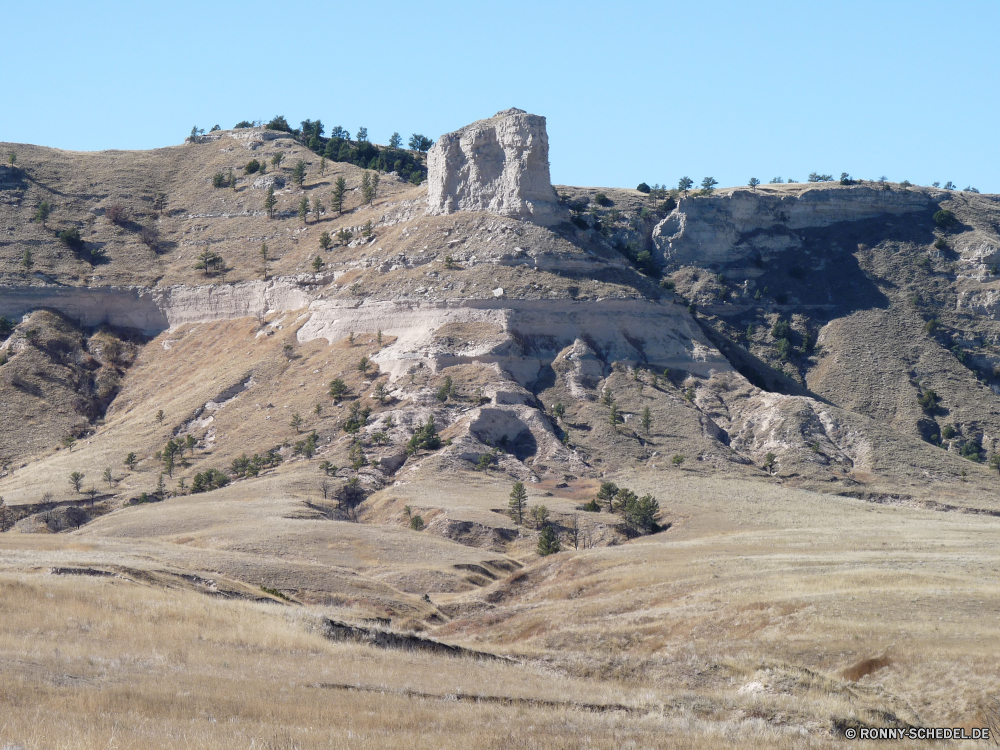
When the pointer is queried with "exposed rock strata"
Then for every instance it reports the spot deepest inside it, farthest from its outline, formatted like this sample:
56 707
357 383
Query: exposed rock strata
521 337
500 165
740 225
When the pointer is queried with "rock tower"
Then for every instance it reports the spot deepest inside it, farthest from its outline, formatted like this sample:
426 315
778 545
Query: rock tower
500 165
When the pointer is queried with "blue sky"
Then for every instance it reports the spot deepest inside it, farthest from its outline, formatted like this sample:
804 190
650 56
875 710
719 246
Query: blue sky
633 91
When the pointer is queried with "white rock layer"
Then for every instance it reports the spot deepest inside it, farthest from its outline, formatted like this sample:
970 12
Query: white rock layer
500 165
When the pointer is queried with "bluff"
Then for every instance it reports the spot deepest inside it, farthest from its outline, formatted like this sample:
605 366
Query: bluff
742 224
499 165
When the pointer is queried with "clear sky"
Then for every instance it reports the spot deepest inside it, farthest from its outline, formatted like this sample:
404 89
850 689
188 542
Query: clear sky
633 91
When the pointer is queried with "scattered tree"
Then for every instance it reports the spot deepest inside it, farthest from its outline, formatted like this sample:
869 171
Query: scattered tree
362 136
304 209
131 461
69 441
27 260
548 541
109 477
684 184
337 201
344 236
299 172
607 494
559 411
76 480
208 260
296 422
263 258
677 460
11 158
160 416
753 183
317 264
518 501
417 523
270 202
420 143
325 240
708 185
769 461
42 212
647 420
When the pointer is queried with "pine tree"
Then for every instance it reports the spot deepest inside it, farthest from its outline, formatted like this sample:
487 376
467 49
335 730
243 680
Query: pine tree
607 493
375 181
317 264
325 240
647 420
366 188
322 166
518 500
317 207
303 209
263 257
270 201
28 261
337 201
548 541
299 173
42 213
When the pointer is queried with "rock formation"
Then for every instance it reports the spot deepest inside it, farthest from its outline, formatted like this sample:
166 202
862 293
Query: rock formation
728 228
500 165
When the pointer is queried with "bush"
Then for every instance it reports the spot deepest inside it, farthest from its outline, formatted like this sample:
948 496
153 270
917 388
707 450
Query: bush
602 200
252 166
242 124
116 213
945 218
928 401
948 432
782 329
642 187
150 237
71 238
218 180
417 523
816 177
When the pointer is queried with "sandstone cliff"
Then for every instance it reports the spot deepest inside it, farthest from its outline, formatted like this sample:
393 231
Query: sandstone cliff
740 225
500 165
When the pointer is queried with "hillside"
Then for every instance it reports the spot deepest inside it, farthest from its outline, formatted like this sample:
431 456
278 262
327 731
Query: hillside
805 377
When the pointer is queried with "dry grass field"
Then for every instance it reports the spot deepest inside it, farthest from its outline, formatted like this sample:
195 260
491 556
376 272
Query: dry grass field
752 622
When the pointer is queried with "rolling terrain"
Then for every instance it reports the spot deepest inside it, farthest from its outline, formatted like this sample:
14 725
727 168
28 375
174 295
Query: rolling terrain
804 376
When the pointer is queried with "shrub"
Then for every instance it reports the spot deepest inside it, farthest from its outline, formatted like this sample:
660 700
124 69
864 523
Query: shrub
948 432
242 124
602 200
592 507
642 187
782 329
252 166
708 185
928 401
71 238
417 523
945 218
817 177
218 180
150 237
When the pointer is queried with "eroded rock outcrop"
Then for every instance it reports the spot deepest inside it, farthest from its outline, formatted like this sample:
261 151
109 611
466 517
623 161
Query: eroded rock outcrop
742 224
500 165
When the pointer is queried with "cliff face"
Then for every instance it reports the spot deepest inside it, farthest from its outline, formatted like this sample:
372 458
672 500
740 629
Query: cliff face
500 165
742 224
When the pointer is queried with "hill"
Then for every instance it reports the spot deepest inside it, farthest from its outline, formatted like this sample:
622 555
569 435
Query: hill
805 377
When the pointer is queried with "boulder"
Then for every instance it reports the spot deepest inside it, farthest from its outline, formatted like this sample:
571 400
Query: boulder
500 165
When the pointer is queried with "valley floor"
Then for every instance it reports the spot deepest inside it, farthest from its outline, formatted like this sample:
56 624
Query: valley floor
766 616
